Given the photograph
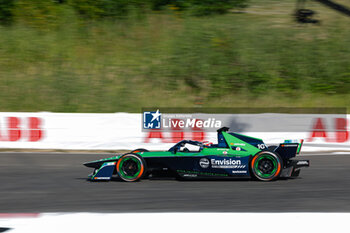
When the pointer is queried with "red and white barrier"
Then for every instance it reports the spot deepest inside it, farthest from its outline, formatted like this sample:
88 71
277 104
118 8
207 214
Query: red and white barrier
123 131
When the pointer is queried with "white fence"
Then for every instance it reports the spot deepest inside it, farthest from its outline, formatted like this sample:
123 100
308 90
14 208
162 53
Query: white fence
123 131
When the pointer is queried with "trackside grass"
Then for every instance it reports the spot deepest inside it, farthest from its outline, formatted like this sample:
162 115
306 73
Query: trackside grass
259 58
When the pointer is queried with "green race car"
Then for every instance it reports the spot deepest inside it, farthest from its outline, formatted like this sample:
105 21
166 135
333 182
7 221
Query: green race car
234 155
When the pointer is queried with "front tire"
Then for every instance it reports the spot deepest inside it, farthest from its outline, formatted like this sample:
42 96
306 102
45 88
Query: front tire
139 150
266 166
131 167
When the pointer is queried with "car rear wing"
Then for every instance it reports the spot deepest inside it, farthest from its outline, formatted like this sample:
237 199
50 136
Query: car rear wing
289 150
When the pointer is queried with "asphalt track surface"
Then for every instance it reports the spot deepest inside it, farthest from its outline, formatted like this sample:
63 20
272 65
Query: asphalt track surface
56 182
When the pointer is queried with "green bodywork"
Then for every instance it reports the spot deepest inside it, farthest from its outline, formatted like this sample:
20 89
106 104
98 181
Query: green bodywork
232 141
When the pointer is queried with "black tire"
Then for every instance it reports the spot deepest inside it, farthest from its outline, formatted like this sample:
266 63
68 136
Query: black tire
266 166
139 150
131 167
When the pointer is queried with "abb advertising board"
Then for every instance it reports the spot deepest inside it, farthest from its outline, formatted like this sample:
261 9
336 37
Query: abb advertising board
126 131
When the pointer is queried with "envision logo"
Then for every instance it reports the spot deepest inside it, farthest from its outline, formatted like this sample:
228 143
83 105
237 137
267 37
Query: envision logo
226 163
204 162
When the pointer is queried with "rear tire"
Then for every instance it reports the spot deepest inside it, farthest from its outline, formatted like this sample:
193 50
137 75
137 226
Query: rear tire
131 167
266 166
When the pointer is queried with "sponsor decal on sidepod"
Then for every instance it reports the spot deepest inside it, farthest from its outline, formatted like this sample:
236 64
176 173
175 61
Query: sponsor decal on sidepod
204 162
226 163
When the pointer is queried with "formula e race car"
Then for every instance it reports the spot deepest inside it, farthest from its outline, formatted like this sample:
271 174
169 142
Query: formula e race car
235 155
